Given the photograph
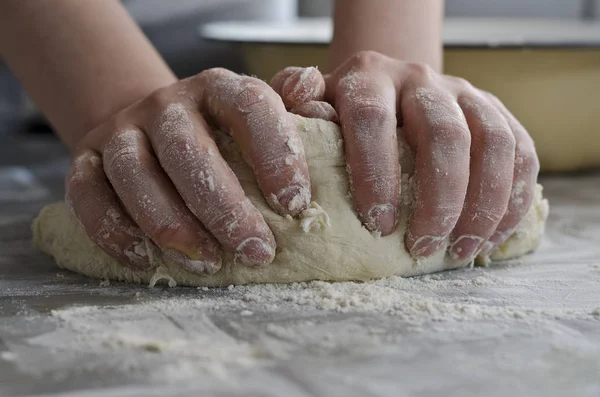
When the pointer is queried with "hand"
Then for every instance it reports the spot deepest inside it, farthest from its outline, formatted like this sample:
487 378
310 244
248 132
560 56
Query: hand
154 170
475 165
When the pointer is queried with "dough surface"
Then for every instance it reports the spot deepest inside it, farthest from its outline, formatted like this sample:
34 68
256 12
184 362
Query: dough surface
327 242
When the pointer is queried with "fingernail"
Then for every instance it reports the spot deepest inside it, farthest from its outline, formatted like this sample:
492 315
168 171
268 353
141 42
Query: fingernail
382 218
500 237
195 265
255 252
426 246
494 241
465 247
294 199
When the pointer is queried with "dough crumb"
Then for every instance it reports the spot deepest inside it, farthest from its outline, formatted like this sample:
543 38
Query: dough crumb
161 274
376 233
314 217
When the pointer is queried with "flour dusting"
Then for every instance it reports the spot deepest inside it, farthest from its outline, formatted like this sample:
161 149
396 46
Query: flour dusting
190 334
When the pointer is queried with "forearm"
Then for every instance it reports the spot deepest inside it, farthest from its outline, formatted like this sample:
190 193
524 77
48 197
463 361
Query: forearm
407 30
81 61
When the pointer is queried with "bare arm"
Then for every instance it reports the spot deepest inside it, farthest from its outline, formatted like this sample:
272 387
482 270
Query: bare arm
144 161
407 30
384 63
81 61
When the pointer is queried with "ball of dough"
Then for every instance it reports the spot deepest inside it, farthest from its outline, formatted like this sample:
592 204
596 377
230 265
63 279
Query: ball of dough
327 242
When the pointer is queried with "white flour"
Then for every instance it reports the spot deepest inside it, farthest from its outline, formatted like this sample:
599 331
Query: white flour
217 333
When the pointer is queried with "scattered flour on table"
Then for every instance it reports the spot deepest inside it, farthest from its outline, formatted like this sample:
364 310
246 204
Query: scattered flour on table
215 332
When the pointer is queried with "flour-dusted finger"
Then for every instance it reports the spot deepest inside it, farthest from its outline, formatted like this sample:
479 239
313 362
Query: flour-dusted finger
266 134
316 110
526 169
182 143
365 98
437 131
152 201
298 85
95 204
490 177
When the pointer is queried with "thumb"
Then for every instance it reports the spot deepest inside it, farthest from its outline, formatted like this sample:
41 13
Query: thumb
297 86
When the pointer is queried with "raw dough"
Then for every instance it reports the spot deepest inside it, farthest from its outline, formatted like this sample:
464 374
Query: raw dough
328 242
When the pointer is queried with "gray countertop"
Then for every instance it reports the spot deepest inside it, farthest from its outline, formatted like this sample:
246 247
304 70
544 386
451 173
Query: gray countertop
525 328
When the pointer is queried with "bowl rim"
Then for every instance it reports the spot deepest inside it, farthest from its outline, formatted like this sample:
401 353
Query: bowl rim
491 33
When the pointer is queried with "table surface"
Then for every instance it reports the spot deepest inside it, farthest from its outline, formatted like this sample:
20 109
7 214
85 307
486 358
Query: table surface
529 327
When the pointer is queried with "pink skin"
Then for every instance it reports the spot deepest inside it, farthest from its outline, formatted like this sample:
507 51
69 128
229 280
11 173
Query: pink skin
302 91
154 170
98 209
475 166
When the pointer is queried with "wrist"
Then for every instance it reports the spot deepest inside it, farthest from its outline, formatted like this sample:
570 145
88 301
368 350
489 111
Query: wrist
404 30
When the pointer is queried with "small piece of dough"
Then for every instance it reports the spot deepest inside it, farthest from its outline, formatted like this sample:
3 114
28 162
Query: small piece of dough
328 242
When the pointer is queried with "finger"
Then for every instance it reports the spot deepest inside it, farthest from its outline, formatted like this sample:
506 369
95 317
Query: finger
180 138
526 169
153 203
97 207
490 177
298 85
366 105
269 141
316 110
436 130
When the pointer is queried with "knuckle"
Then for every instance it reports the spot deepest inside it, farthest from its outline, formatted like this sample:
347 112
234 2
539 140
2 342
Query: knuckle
177 154
285 73
173 147
251 96
75 185
114 124
159 99
212 74
215 72
499 140
121 154
491 97
420 70
367 60
451 136
528 161
461 84
80 180
371 110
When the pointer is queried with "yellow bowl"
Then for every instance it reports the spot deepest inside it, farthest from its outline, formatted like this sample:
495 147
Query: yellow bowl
546 72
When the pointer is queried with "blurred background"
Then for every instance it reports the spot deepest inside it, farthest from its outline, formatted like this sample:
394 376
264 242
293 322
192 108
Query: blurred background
173 27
